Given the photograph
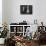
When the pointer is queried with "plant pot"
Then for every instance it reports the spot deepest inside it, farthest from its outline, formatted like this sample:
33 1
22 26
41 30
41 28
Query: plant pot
2 40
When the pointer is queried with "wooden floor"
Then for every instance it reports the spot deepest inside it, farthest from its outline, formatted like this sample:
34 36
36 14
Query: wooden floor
1 45
32 45
42 45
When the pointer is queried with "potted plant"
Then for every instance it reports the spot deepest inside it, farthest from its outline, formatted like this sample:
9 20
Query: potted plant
3 34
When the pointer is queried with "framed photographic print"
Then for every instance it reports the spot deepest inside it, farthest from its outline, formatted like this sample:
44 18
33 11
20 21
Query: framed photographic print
26 9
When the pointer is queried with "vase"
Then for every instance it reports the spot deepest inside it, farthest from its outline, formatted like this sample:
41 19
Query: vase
2 40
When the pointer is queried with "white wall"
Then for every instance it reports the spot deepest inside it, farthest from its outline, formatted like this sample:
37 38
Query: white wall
12 11
4 11
0 13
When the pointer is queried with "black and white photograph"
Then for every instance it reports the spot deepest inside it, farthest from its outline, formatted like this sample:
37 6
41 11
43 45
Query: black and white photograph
26 9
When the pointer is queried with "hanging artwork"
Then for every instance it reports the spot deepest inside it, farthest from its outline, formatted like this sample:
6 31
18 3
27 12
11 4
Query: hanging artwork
26 9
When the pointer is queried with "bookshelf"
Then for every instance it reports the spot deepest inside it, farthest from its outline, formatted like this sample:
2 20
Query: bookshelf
18 29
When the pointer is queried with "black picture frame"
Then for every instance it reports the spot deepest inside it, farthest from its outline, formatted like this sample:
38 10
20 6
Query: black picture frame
26 9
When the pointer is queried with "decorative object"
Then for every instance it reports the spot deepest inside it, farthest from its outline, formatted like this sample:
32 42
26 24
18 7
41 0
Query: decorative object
26 9
28 33
2 40
3 34
35 21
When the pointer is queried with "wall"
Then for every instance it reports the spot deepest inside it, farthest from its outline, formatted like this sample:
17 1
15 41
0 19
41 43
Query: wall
0 13
15 14
4 11
12 11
